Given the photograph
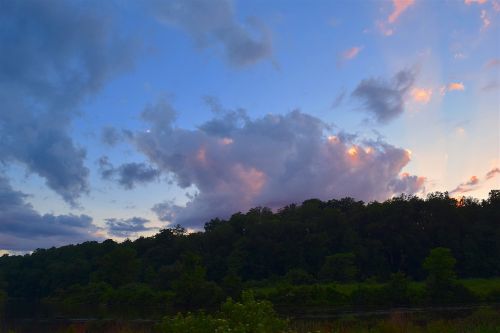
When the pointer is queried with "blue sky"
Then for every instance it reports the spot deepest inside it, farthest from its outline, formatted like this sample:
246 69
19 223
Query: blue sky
123 117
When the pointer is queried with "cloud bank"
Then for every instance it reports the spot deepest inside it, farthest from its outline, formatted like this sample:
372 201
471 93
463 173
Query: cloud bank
24 229
237 163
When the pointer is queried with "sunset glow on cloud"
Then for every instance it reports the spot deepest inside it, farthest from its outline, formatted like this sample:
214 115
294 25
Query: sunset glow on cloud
421 95
399 7
470 2
351 53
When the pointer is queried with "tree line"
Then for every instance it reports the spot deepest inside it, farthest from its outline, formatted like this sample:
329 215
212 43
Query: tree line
314 242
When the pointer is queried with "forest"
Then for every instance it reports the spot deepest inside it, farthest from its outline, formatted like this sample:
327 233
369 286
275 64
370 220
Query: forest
343 254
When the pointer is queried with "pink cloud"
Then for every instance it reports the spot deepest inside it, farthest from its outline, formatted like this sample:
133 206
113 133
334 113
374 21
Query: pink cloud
399 7
421 95
351 53
485 18
496 5
474 182
493 63
271 161
470 2
459 86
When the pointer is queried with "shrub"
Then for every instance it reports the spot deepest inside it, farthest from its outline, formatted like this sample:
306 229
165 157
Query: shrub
249 316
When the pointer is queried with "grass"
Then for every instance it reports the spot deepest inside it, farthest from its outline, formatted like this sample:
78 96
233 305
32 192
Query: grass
482 287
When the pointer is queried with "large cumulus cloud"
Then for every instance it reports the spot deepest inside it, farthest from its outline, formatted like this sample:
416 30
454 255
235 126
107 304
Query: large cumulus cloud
54 55
237 163
24 229
212 22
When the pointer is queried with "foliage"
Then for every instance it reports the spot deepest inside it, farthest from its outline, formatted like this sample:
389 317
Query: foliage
249 316
339 267
335 240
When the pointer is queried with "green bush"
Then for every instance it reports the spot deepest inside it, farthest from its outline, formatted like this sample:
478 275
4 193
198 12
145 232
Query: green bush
249 316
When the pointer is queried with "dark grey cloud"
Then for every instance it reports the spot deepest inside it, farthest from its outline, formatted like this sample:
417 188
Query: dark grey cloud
54 55
127 227
270 161
213 22
24 229
384 99
128 175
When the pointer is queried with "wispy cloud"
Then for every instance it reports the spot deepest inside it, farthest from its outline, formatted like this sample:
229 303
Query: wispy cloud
474 182
213 22
351 53
491 86
492 63
470 2
421 95
400 6
485 18
453 86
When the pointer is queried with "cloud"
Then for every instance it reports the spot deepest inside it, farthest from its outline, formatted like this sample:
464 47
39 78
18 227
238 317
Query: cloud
110 136
351 53
382 98
24 229
421 95
128 175
468 186
58 55
474 182
491 86
407 184
213 22
496 5
127 227
492 173
485 18
453 86
470 2
493 63
238 163
456 86
338 100
400 6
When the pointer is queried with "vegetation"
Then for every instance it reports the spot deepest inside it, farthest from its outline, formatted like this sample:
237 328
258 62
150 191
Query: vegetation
340 253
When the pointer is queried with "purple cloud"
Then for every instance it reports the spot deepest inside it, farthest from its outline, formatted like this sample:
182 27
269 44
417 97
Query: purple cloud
237 163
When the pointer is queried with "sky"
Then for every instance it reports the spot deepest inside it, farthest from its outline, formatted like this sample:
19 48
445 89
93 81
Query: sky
119 118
